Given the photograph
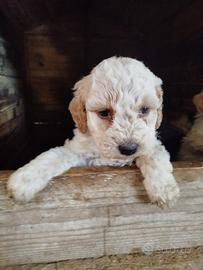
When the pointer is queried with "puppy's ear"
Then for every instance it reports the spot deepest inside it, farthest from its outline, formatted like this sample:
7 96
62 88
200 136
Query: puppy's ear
198 101
159 92
77 104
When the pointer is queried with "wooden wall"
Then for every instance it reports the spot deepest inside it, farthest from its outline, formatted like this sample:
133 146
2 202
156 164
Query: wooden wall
167 36
13 134
10 100
53 61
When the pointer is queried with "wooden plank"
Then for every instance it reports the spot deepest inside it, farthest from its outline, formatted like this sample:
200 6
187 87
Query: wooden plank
97 49
50 92
7 128
71 25
54 56
180 74
11 105
119 19
90 212
45 59
189 24
6 67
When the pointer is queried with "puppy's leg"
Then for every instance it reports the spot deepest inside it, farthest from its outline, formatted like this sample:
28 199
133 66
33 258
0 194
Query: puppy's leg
24 183
159 181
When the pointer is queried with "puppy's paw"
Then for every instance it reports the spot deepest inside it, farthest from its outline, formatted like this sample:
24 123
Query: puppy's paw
164 192
21 187
167 197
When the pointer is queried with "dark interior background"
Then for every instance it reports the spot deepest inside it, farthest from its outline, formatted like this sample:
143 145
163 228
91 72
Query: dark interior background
53 43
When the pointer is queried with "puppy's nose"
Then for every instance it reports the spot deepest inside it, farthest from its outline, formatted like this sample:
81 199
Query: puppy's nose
128 149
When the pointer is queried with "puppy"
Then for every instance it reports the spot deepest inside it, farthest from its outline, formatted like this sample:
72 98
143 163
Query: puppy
117 109
192 146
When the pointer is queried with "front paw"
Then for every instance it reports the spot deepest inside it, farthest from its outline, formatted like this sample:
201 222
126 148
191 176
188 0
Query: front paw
21 186
163 191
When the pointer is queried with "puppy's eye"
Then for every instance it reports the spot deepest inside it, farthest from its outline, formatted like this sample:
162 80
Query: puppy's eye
105 114
144 110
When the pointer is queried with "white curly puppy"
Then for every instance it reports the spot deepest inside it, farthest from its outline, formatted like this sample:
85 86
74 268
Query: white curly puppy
117 109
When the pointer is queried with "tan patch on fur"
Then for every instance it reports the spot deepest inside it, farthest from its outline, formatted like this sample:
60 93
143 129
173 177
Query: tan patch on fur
78 112
198 101
159 92
77 104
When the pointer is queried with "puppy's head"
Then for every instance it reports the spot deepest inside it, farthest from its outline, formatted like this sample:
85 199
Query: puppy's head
120 105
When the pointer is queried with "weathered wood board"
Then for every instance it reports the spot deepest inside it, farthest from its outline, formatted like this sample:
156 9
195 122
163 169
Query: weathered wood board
6 67
13 129
11 104
91 212
54 60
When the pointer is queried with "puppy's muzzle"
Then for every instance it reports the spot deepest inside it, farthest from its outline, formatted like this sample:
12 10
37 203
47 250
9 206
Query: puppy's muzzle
128 149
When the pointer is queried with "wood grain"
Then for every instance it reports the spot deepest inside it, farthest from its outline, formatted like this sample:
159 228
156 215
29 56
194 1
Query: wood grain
6 67
91 212
54 59
46 60
10 86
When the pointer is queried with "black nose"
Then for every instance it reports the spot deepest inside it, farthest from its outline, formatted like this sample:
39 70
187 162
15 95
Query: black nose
128 149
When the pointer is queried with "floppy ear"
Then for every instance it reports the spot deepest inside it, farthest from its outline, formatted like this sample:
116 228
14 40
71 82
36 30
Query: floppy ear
77 104
198 101
159 92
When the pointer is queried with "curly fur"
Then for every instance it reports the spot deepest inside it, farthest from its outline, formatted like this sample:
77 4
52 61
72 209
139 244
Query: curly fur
122 85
